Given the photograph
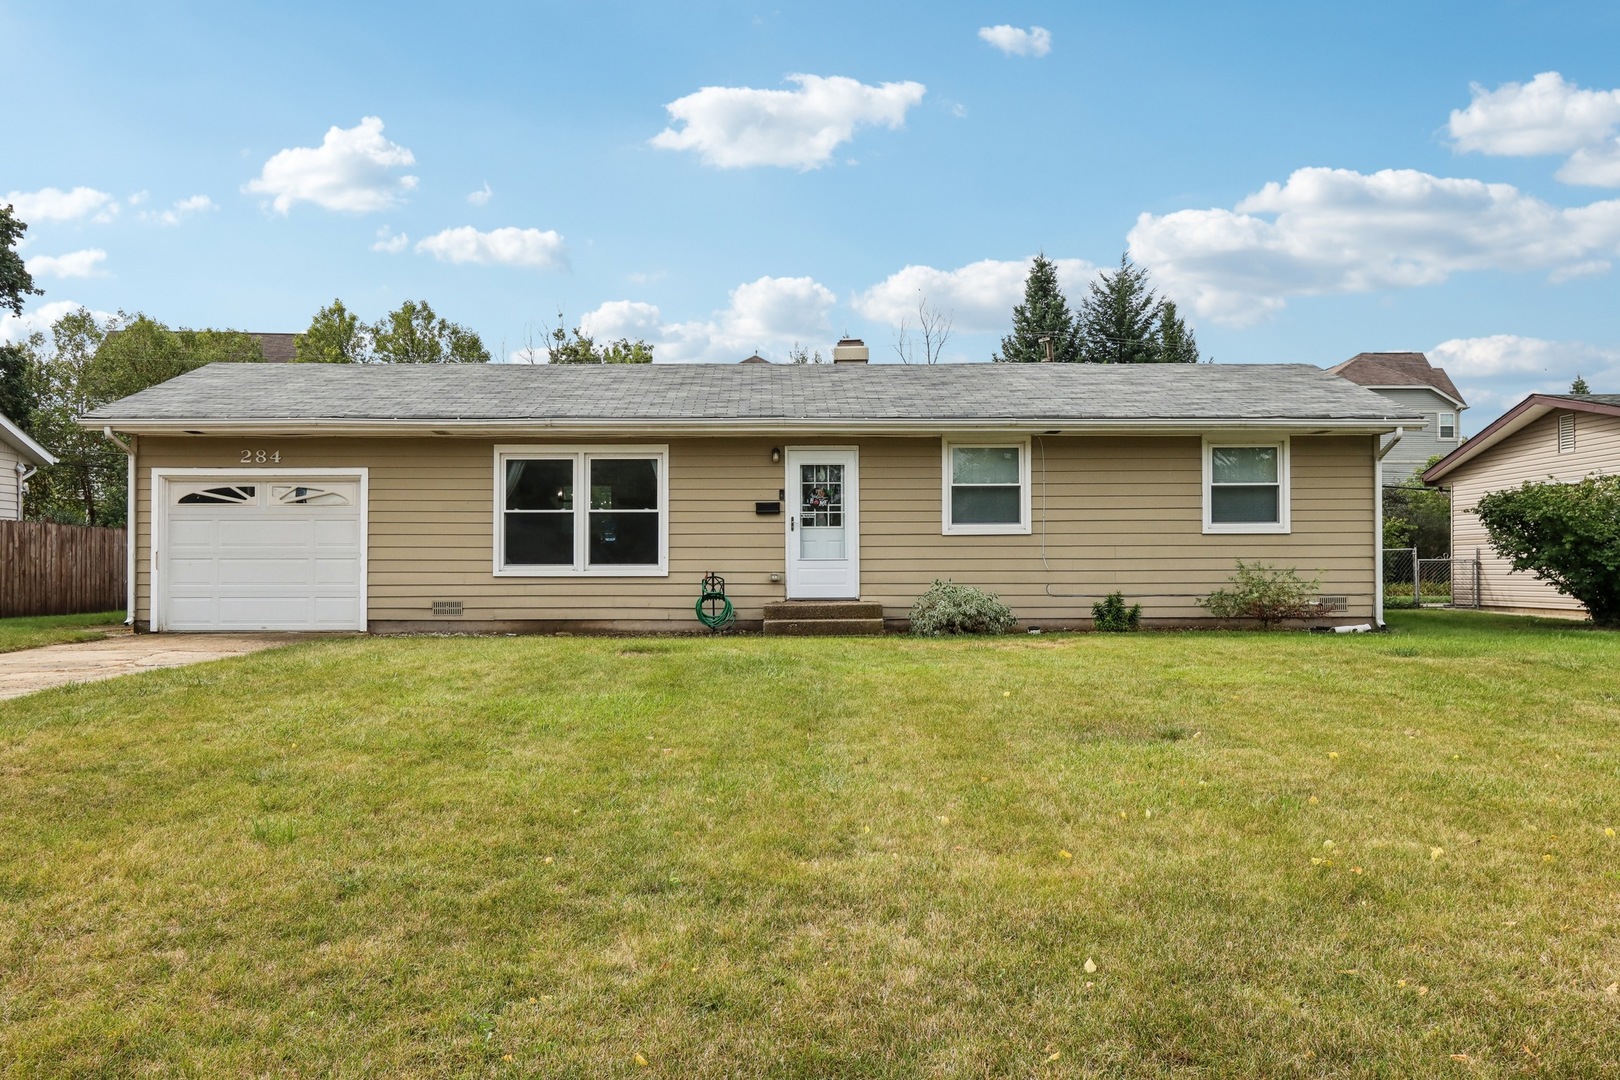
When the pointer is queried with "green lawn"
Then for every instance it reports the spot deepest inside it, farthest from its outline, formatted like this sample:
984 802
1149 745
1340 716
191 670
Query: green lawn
1189 854
31 633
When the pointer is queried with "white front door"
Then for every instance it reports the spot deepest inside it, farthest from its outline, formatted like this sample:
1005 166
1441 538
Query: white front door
262 551
823 539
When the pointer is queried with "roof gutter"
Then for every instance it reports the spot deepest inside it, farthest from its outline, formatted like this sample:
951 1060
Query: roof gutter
744 426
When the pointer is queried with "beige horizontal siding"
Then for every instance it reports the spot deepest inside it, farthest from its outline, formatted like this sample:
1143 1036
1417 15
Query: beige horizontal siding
9 497
1528 454
1109 513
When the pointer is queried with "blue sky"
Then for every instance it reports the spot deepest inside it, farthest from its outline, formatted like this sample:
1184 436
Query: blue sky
725 177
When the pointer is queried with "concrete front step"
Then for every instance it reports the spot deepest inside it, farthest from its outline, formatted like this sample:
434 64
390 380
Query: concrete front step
822 627
824 609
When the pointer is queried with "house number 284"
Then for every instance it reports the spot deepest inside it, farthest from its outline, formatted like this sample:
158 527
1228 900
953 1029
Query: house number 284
261 457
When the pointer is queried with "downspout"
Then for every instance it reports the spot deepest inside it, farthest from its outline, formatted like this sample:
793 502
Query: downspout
24 474
132 519
1378 527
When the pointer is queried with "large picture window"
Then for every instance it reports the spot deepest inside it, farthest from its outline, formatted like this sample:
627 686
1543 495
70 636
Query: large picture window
569 510
986 487
1246 487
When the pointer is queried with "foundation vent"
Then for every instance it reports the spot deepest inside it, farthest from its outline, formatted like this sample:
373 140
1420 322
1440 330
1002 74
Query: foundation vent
1334 603
447 607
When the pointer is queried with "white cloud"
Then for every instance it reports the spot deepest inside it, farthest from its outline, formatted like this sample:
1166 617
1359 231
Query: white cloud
13 328
54 204
1510 354
978 297
75 264
352 170
767 315
622 319
1015 41
1330 231
184 208
481 196
138 198
1545 116
390 243
504 247
738 127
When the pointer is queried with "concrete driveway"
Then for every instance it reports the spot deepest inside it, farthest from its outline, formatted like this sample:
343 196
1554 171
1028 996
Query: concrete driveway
122 653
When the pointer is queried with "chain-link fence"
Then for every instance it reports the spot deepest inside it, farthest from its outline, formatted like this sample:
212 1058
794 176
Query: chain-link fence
1444 582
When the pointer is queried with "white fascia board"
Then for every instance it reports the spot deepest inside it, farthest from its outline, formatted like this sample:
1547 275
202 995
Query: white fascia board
14 435
773 426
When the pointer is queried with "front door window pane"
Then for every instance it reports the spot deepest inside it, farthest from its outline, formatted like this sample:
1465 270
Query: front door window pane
821 512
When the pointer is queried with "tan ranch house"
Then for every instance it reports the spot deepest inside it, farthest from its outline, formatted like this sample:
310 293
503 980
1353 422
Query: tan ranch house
1562 437
20 458
596 498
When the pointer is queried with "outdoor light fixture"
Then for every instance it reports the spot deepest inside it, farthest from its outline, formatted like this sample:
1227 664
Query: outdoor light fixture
776 455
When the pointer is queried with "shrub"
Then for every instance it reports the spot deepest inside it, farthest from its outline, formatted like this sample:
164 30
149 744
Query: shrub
948 608
1267 593
1112 616
1566 534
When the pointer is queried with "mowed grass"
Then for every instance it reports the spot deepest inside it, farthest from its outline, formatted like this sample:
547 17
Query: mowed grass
1189 854
35 631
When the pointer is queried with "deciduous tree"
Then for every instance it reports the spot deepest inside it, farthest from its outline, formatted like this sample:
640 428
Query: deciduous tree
16 283
1567 535
413 334
335 336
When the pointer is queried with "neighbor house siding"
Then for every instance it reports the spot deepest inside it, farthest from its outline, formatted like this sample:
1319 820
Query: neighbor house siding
10 508
1109 513
1528 454
1417 446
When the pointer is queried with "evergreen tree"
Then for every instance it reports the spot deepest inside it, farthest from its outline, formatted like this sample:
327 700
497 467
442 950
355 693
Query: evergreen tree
1579 385
15 281
1175 342
1043 318
1118 319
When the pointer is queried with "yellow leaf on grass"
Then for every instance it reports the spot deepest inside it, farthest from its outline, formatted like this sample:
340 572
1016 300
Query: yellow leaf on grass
1055 1055
1066 855
1333 755
1459 1057
1436 852
1400 982
1609 832
641 1061
1313 800
1546 858
1091 966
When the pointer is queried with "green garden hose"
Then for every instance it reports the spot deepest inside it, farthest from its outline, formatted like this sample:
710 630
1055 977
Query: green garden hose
714 608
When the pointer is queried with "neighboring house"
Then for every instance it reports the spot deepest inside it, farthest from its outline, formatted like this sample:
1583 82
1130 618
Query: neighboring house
584 497
1409 381
20 456
1563 437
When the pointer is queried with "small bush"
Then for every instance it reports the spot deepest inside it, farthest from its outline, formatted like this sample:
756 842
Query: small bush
1269 594
948 608
1110 615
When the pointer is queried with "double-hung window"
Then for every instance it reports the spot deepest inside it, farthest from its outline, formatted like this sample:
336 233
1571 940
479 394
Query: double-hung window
581 510
1446 426
1246 486
986 487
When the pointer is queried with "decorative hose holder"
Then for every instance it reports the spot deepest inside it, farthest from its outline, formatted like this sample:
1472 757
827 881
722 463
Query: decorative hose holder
714 607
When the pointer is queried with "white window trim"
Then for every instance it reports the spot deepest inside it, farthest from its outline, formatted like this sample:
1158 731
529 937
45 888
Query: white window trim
1284 486
580 453
1440 426
1024 526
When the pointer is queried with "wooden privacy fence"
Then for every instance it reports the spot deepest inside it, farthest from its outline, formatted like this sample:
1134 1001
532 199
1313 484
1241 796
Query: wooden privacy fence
48 569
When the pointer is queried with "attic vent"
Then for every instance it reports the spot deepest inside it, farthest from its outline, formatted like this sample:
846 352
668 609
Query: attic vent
1566 433
1334 603
447 607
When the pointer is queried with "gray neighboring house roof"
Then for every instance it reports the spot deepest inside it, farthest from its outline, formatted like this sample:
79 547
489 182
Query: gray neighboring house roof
726 398
278 348
26 448
1394 370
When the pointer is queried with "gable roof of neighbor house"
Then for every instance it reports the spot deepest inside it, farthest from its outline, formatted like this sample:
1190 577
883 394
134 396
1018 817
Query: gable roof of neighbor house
29 450
278 348
1522 415
1399 370
731 398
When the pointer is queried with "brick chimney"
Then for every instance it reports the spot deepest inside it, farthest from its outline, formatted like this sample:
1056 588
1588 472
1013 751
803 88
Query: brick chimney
851 350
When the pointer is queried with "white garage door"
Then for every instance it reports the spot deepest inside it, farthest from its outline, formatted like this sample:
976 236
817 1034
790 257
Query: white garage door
262 553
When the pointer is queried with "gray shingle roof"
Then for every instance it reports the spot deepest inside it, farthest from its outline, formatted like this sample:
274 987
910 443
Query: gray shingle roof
683 392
